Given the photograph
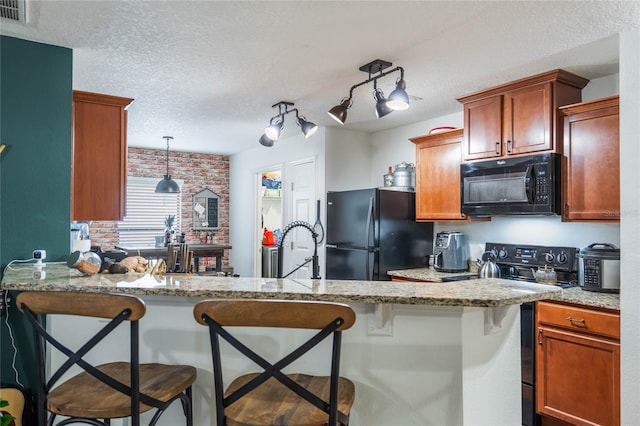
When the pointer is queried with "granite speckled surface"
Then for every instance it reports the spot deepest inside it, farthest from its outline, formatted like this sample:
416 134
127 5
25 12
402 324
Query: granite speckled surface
478 293
573 295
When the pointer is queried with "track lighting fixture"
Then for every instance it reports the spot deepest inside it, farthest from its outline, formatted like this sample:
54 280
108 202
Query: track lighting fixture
167 185
398 100
276 124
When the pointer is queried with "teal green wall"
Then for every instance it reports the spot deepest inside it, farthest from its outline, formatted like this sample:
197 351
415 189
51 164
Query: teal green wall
35 170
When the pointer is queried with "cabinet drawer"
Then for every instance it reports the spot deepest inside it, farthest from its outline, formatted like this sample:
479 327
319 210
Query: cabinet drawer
579 319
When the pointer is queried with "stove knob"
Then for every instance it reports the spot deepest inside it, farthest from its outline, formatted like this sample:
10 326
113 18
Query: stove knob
549 257
562 257
502 253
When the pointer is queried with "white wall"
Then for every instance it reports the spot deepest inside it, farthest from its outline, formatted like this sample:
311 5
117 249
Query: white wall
630 225
348 160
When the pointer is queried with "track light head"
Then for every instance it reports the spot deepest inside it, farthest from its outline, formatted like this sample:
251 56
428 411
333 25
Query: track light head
339 112
381 104
308 128
399 99
265 141
273 130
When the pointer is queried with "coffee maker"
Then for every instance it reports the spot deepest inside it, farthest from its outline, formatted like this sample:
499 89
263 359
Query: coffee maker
450 252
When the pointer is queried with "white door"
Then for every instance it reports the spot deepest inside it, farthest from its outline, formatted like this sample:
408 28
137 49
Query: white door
299 245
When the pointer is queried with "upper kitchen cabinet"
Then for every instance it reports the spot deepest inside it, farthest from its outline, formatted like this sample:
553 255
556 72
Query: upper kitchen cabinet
438 158
99 159
591 161
520 117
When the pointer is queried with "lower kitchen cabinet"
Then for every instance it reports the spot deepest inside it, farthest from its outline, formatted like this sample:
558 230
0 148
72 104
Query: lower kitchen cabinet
438 158
577 364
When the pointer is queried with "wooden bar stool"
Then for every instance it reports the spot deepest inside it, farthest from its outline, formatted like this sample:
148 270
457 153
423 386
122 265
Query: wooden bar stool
106 391
272 397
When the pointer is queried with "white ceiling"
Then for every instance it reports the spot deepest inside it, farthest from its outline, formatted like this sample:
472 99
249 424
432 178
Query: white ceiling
208 72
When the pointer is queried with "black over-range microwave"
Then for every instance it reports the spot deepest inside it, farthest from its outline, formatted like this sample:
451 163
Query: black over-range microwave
511 186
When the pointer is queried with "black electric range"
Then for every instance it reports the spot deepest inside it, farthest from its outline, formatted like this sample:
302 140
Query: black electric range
519 262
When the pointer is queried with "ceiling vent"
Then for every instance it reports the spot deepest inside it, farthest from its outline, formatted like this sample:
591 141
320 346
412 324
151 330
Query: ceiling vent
13 10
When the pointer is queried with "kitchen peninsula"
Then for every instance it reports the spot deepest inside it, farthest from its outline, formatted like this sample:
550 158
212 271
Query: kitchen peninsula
420 353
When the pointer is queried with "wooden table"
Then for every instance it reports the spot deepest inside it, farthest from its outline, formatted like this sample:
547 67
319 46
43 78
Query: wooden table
199 250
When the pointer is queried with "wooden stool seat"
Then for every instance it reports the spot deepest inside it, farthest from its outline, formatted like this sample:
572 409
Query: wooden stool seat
85 396
272 403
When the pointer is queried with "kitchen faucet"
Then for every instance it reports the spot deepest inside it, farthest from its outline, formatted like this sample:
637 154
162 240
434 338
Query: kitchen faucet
315 266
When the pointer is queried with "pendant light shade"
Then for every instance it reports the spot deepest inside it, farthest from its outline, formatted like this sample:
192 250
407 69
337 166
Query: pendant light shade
167 185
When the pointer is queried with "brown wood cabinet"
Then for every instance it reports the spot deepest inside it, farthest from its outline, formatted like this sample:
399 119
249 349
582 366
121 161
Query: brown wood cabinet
520 117
99 158
578 364
438 158
591 161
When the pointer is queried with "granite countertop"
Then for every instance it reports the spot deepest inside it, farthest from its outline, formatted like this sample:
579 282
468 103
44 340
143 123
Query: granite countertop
573 295
478 293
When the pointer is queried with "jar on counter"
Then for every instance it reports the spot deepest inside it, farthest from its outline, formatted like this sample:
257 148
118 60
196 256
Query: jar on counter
86 262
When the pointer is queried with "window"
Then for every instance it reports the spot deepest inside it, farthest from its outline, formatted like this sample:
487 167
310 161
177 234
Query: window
146 212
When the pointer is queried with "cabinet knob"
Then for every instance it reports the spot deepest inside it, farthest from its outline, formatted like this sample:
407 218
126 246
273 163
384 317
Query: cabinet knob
571 319
498 148
509 147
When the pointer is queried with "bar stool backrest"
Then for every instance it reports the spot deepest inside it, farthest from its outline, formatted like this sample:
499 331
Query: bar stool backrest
329 318
117 308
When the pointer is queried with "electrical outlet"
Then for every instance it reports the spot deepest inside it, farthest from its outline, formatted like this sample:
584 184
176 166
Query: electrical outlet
4 301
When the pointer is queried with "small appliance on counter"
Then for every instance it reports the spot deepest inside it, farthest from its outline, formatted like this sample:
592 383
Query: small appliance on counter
450 252
599 268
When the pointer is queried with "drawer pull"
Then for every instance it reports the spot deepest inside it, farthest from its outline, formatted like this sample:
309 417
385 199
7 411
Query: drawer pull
575 320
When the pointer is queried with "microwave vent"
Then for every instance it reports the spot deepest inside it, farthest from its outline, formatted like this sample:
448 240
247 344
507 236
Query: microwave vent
13 10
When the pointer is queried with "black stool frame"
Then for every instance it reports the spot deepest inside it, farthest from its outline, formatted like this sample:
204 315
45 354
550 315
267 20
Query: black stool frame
275 370
41 336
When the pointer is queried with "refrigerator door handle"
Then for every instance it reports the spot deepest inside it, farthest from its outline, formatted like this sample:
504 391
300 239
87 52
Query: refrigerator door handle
369 225
369 221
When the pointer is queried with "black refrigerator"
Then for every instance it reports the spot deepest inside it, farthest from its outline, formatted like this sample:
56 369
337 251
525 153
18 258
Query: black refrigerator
372 231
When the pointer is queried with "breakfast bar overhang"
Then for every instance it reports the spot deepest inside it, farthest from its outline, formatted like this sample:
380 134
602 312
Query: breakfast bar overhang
420 353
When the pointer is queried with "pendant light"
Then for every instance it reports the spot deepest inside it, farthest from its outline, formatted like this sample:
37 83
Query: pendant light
167 185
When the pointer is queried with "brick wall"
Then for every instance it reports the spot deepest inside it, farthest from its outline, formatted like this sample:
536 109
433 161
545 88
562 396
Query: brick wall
198 171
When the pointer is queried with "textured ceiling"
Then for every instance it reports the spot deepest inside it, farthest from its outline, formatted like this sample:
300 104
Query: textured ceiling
207 72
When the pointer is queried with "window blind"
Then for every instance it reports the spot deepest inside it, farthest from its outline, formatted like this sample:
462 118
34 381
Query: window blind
146 212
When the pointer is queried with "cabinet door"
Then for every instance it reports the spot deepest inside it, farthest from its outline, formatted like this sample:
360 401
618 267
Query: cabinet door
438 159
528 120
578 378
483 128
99 165
592 158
